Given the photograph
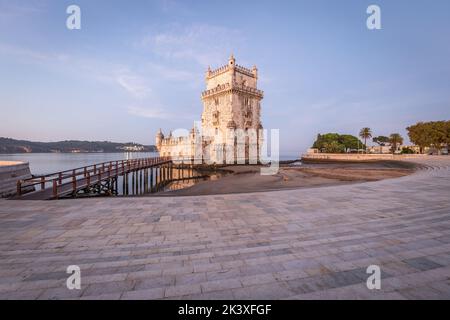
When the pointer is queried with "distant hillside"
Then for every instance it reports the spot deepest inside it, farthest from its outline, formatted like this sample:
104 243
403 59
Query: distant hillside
8 145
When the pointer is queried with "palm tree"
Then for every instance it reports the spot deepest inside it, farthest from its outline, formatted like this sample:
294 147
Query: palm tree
365 134
395 139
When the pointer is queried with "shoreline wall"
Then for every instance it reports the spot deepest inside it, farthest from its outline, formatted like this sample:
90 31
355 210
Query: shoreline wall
10 173
355 157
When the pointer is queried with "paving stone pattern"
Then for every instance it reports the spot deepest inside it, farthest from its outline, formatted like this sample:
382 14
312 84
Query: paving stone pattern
298 244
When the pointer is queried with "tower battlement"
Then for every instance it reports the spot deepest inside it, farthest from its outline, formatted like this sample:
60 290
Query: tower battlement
233 67
216 72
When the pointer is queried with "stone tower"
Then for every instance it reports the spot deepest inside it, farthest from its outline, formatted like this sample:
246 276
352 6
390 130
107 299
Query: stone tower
231 120
231 103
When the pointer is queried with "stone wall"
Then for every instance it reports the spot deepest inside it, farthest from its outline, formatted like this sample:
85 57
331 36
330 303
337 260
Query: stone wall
10 173
357 157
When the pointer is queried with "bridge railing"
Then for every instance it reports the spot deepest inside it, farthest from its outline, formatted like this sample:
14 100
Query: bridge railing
96 171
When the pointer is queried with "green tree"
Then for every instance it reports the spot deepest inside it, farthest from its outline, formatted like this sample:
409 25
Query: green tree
349 142
434 134
381 140
333 147
447 134
420 135
365 134
334 142
324 139
438 135
395 140
406 150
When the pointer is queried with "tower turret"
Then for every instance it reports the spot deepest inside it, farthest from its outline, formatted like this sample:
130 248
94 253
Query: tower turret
159 139
255 71
208 73
232 61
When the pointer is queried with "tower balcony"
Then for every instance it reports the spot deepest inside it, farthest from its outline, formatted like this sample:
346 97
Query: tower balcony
232 87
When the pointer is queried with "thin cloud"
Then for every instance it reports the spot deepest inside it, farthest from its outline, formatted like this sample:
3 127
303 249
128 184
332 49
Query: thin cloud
202 43
134 84
138 86
11 10
145 112
24 53
170 73
171 6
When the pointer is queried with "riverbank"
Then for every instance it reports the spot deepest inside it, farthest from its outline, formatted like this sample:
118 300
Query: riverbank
242 179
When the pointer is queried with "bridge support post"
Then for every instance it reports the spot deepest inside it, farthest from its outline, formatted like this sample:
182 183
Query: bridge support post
88 180
55 189
156 178
19 188
161 176
123 184
74 184
137 182
182 170
151 179
145 179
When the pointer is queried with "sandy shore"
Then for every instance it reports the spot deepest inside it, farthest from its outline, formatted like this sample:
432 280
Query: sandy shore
241 179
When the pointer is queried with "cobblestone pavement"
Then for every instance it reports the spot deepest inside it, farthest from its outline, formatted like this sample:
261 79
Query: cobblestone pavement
298 244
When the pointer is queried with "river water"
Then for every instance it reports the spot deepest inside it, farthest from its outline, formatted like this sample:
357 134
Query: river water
45 163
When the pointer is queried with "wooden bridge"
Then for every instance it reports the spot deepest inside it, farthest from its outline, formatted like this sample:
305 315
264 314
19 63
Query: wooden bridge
125 177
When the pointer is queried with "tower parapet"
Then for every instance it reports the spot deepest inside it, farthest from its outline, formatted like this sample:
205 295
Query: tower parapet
232 66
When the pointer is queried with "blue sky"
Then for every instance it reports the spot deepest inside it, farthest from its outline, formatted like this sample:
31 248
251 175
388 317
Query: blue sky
136 66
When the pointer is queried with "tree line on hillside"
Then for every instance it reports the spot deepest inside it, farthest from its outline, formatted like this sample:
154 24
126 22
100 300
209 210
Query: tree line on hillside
8 145
435 134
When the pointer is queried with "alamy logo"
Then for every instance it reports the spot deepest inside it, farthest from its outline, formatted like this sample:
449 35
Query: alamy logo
74 281
374 280
234 146
73 21
374 20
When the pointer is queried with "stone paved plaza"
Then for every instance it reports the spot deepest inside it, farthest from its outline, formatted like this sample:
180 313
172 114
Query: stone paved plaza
298 244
